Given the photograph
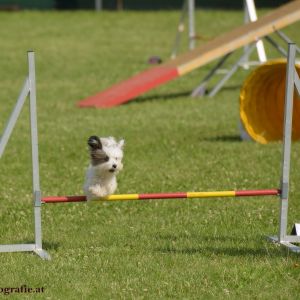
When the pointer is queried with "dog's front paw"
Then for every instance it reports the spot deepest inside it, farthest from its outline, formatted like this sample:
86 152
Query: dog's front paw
97 191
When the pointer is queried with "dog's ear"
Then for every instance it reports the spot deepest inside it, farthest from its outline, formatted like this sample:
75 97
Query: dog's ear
94 142
121 143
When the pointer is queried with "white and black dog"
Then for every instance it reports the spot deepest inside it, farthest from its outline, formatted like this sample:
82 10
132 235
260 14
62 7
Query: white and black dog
106 156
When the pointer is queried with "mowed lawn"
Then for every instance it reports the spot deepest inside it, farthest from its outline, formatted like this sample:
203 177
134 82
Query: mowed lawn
172 249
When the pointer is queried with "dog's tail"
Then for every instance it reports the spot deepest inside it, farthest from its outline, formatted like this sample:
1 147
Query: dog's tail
94 142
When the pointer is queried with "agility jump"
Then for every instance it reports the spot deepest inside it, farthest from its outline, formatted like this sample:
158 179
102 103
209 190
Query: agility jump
29 88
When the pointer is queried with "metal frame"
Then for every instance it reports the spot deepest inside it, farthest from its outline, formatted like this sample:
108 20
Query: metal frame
98 5
188 7
234 68
292 82
29 88
201 89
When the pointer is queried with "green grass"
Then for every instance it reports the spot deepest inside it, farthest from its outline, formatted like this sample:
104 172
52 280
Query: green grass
195 249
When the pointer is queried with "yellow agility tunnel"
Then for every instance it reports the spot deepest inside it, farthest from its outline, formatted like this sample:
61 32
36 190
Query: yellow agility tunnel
262 99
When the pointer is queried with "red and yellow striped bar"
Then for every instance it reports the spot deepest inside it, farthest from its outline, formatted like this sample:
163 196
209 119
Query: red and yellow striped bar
157 196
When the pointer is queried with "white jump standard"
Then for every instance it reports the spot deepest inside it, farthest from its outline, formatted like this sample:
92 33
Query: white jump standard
29 88
292 82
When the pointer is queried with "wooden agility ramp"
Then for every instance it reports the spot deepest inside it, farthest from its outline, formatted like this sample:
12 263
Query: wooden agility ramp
183 64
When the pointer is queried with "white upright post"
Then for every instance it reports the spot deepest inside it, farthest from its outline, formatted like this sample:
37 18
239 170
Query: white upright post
250 15
191 13
98 5
287 141
35 159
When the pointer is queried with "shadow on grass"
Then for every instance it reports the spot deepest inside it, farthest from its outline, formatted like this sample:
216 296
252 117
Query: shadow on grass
170 96
224 138
217 246
199 237
221 250
164 97
50 246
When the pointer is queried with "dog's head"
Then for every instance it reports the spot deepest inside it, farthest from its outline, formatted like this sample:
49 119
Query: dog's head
106 154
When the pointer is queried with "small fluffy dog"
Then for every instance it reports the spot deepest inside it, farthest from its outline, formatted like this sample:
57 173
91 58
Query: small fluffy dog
106 161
